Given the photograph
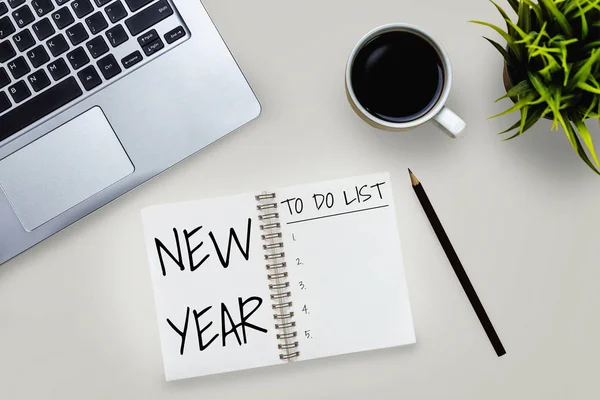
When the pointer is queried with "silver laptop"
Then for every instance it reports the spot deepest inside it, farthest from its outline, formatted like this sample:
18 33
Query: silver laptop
98 96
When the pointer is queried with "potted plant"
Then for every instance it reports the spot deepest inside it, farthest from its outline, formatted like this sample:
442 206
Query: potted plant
552 67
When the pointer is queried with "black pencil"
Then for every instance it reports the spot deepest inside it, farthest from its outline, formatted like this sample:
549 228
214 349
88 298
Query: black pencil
457 265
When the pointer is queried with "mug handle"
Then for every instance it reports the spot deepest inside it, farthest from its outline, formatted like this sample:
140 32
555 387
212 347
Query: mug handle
453 125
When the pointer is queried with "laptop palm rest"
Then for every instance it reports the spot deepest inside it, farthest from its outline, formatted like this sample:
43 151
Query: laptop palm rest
63 168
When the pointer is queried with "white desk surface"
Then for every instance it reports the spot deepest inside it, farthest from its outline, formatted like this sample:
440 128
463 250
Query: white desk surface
77 316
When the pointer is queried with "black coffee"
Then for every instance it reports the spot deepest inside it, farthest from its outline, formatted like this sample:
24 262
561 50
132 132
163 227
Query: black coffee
397 76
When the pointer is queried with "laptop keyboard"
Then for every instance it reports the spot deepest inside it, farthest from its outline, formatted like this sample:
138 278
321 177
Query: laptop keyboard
54 53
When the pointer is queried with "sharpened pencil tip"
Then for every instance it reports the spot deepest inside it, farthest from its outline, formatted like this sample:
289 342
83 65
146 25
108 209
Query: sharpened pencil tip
413 178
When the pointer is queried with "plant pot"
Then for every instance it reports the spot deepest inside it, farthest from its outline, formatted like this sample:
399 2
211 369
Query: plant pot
507 81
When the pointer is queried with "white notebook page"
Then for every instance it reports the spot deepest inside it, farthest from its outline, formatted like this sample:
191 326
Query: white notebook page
210 285
345 266
345 271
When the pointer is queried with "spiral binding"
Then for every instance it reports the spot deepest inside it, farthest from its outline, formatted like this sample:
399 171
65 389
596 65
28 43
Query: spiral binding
277 276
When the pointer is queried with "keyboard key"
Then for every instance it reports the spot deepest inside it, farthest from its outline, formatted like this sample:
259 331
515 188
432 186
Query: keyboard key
15 3
7 51
97 46
38 80
4 102
19 92
18 67
116 11
89 77
6 27
116 36
23 16
77 34
148 37
135 5
43 29
38 56
38 107
96 22
175 34
132 59
24 40
57 45
61 2
3 9
109 67
82 8
42 7
4 78
148 17
78 58
100 3
58 69
63 18
153 47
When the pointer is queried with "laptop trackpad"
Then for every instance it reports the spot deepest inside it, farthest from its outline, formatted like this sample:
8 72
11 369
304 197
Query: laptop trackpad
63 168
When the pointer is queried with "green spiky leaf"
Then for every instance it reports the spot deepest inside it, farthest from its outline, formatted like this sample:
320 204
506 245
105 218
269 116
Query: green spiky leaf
590 110
517 106
502 50
591 5
504 15
536 9
514 4
584 23
531 119
588 88
574 140
592 45
524 14
509 40
523 35
585 69
559 16
512 127
571 5
587 138
524 112
522 88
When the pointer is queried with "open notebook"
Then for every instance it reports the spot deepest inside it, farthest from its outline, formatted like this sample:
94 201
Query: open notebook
278 276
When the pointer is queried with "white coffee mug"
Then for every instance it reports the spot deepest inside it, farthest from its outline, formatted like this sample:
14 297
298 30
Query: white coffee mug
450 122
